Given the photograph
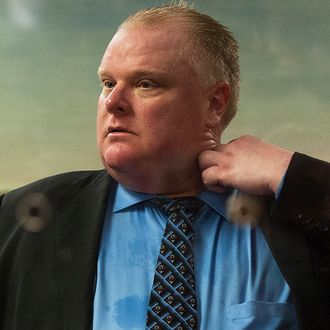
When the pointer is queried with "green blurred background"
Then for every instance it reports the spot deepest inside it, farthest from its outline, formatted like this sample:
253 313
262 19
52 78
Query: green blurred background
50 51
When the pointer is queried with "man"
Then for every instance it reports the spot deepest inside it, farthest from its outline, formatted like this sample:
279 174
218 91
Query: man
79 250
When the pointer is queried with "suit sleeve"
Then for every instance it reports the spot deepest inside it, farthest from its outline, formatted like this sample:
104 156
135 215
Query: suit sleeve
305 198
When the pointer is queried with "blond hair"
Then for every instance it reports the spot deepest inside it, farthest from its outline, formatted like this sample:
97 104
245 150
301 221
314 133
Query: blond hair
213 50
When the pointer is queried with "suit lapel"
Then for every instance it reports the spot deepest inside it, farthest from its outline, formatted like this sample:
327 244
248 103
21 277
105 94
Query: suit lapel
80 216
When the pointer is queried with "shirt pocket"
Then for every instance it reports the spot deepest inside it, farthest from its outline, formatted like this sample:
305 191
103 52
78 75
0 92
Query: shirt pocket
259 315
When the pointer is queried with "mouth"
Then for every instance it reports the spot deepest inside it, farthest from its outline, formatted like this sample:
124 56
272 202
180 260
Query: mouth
117 130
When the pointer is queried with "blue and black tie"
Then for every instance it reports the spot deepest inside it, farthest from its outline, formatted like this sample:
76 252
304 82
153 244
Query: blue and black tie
173 303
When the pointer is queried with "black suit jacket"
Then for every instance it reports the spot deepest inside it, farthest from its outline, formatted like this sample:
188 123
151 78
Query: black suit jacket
47 277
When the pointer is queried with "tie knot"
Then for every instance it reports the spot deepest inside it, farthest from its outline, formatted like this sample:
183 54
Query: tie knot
190 206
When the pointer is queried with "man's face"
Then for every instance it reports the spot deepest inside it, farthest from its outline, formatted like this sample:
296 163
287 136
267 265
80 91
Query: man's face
152 109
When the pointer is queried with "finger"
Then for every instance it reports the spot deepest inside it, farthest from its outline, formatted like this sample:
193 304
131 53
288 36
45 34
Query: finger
212 179
209 158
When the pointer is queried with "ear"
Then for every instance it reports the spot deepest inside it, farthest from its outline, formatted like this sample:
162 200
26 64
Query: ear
219 95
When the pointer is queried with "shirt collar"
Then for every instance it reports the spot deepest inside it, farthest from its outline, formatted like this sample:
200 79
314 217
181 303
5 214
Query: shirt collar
215 200
125 198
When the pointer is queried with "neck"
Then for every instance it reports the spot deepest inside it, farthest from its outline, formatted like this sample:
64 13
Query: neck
174 185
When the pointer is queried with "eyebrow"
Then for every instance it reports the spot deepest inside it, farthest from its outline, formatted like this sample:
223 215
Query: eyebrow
139 72
100 72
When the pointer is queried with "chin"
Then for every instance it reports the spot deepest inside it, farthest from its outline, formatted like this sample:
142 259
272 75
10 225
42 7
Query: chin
119 159
115 163
126 175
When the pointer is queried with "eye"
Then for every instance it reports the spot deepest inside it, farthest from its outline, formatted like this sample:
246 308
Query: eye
108 84
147 84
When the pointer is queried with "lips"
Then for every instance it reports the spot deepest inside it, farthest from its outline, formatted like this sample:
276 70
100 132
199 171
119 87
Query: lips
112 130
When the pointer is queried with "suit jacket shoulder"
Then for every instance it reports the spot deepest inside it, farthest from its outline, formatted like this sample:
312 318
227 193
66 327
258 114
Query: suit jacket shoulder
58 182
49 239
298 233
305 197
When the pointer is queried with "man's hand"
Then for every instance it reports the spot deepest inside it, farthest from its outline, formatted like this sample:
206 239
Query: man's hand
247 164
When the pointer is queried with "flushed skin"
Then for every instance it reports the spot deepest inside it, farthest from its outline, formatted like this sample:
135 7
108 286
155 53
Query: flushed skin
153 107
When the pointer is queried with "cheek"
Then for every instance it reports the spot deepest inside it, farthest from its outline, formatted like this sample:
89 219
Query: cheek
170 119
98 126
100 119
100 104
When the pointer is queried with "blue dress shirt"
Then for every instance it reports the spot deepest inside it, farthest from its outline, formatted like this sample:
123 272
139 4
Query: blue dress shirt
239 285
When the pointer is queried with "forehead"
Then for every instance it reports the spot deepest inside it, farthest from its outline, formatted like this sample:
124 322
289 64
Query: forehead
163 47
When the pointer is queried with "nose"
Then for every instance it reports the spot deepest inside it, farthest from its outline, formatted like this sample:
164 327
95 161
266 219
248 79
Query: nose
116 101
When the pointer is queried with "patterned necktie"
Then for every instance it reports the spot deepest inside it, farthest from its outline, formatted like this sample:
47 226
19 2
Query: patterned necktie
173 303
